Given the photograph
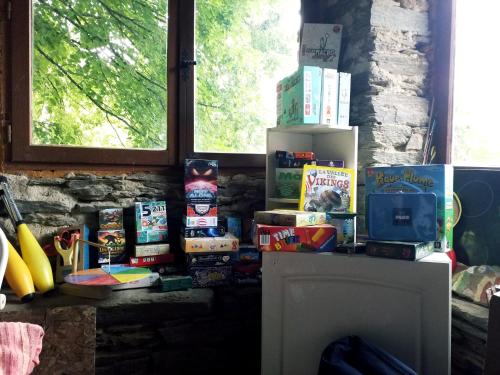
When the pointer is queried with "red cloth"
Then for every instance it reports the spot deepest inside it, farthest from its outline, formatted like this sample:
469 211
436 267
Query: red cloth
20 346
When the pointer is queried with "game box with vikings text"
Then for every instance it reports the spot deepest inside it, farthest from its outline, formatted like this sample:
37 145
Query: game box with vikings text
437 179
327 189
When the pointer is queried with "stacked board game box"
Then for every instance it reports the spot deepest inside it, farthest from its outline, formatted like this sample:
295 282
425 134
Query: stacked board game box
317 93
414 181
288 230
208 246
112 235
151 247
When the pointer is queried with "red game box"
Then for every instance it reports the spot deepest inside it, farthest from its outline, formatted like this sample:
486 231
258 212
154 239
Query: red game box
319 238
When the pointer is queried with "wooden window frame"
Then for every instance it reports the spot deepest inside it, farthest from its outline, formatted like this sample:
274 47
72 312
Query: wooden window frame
21 88
444 74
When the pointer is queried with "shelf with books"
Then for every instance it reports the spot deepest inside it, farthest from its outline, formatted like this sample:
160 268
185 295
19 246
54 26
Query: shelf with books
328 143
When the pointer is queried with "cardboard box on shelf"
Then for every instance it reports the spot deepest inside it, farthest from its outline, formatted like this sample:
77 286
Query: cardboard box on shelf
319 238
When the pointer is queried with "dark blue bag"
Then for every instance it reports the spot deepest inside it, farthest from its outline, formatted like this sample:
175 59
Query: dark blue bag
352 355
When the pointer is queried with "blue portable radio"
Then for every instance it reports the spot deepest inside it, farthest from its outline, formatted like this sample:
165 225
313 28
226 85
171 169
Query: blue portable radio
402 216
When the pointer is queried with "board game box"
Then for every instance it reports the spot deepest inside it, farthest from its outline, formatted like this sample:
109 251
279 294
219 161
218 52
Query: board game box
151 221
115 241
210 244
151 249
329 97
200 181
288 182
401 216
327 189
345 224
320 45
344 99
292 218
111 218
437 179
319 238
208 259
399 250
204 277
201 209
200 222
151 260
301 97
203 232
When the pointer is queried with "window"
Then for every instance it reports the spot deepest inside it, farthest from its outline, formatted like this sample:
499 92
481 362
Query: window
97 81
476 124
90 81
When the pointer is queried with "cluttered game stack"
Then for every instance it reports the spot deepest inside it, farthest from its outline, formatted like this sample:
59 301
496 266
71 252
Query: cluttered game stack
209 249
151 249
409 211
317 93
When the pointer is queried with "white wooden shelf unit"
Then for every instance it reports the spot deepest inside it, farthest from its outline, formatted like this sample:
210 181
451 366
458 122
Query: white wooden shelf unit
328 143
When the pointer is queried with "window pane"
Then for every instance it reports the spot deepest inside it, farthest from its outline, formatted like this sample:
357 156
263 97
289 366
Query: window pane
243 48
476 124
99 73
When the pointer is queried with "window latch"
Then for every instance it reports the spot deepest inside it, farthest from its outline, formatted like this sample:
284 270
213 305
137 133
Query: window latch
185 64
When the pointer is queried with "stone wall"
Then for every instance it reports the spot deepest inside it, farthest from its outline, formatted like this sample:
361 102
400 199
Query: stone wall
48 204
386 48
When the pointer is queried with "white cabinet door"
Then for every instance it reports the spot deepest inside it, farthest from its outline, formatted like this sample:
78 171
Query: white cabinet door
310 300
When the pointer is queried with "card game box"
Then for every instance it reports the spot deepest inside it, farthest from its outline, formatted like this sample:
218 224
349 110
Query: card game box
210 244
319 238
173 283
151 249
399 250
344 99
292 218
151 221
327 189
320 45
437 179
301 97
111 218
204 277
200 181
329 97
115 241
200 222
401 216
208 259
203 232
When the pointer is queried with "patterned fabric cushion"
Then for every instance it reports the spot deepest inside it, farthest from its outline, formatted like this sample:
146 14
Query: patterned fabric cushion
476 283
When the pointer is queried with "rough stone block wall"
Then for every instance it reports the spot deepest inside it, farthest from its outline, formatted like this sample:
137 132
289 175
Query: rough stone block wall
386 46
48 204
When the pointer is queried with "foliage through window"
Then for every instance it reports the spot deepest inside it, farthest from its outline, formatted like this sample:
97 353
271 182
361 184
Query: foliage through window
243 48
99 73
